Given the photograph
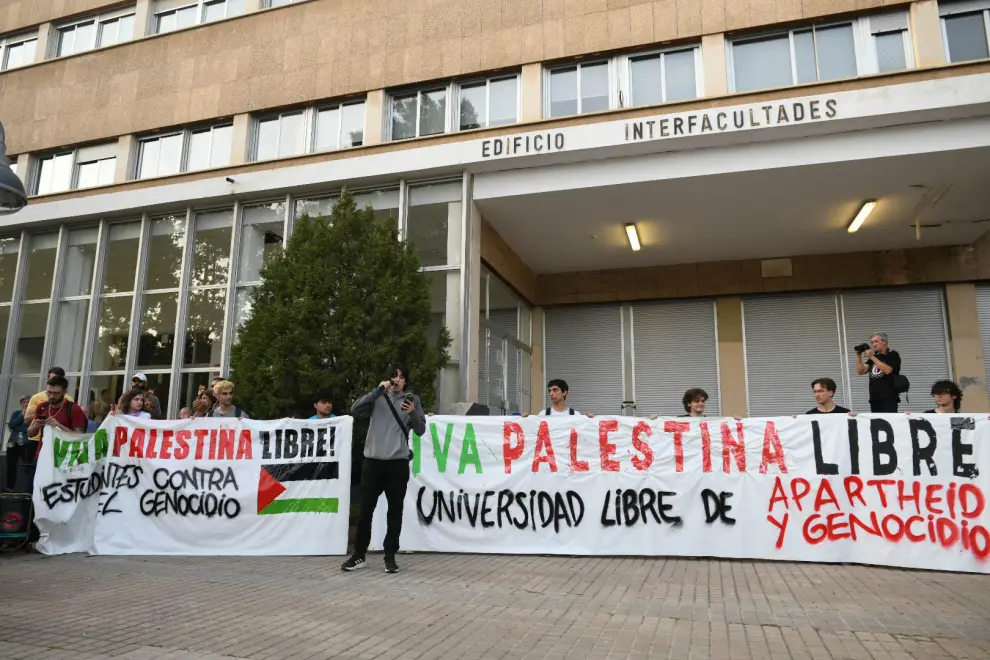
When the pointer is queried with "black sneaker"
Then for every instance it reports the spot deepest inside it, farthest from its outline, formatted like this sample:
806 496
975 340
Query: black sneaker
353 563
390 565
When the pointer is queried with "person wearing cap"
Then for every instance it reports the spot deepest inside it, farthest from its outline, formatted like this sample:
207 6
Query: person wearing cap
140 382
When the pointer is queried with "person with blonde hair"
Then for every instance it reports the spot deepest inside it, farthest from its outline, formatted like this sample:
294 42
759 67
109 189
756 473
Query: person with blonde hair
224 392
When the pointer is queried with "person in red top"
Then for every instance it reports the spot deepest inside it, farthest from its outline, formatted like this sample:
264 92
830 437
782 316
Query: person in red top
58 411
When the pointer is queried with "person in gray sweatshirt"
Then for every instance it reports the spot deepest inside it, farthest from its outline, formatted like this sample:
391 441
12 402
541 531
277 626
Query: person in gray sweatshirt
386 460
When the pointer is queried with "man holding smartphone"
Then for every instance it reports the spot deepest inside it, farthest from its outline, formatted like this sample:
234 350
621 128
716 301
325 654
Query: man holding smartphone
394 411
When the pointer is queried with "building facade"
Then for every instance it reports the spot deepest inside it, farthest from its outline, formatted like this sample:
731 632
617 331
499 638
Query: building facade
638 197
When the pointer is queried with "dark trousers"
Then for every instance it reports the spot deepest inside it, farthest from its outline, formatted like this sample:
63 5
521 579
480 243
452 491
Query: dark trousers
20 459
884 406
377 477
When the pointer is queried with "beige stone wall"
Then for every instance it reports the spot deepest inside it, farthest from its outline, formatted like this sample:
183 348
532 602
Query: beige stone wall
19 14
330 48
501 258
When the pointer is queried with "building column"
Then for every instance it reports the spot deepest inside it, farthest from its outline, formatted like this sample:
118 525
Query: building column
537 382
251 5
926 29
531 92
126 154
731 356
374 111
142 19
239 140
713 65
41 49
966 347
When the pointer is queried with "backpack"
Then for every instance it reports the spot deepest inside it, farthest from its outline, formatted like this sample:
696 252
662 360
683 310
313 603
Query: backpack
570 411
901 383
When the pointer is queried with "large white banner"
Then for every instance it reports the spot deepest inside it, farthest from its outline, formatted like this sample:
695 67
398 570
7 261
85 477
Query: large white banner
196 487
897 490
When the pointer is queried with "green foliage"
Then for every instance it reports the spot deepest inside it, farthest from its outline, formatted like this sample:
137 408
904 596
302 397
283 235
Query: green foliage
335 307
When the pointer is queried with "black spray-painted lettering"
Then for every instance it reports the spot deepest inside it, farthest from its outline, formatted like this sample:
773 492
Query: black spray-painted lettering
961 449
716 506
925 453
519 509
883 448
631 506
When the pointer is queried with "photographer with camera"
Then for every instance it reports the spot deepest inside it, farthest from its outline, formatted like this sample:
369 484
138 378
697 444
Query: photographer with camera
394 410
883 365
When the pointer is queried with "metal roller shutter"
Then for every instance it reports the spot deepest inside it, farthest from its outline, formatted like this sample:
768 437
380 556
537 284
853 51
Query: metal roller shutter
584 347
505 322
790 340
674 348
914 320
983 310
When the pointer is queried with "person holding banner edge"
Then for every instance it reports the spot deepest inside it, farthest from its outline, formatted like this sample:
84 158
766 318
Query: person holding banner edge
394 411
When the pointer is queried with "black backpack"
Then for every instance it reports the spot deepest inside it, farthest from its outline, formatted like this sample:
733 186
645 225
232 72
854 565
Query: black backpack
901 383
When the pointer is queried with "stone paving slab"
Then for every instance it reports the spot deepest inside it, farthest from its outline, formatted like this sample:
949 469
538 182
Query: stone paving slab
464 607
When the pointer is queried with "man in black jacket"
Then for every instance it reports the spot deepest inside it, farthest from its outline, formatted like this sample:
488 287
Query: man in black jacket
882 364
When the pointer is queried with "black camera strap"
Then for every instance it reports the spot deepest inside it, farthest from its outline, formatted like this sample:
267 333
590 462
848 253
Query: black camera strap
398 420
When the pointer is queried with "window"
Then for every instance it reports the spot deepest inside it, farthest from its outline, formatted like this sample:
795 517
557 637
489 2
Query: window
625 80
493 102
18 51
459 106
159 156
280 136
70 170
202 147
94 32
267 4
820 52
317 128
966 30
340 126
173 15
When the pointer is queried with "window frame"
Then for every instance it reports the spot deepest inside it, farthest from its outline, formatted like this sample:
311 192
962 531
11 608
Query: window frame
613 92
487 80
200 6
864 47
89 152
186 133
267 4
448 89
97 20
14 40
309 116
949 9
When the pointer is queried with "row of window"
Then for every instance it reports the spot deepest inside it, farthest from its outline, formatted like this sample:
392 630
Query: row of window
801 55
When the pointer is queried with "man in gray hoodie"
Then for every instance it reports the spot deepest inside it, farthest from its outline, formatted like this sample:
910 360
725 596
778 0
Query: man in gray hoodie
386 460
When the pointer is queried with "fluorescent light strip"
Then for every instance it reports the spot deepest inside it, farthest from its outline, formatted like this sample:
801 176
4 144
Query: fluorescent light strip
633 235
860 218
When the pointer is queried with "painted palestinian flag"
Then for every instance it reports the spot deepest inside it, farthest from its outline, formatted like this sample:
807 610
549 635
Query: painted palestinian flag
279 479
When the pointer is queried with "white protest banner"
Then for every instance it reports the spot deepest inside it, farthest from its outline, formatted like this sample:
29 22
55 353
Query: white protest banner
897 490
196 487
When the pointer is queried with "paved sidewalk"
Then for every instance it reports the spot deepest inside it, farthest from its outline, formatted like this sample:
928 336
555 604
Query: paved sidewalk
467 606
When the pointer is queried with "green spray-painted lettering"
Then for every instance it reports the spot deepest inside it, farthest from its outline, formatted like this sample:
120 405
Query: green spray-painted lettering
469 452
441 454
61 450
77 452
101 443
417 442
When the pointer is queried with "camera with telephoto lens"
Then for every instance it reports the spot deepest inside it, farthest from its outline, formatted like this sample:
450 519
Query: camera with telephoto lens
861 348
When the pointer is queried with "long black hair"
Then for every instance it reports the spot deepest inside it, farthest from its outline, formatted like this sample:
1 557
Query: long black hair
400 368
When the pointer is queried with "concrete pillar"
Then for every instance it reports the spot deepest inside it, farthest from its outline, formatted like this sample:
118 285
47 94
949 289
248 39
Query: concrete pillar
142 19
42 50
240 144
23 169
531 92
713 65
926 30
966 346
538 378
126 158
731 356
472 294
374 116
251 5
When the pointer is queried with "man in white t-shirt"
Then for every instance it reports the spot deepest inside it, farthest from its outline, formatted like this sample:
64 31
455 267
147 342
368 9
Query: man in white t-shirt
557 391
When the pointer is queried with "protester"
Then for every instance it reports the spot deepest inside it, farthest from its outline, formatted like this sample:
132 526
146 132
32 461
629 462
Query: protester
132 404
882 364
557 391
57 411
185 413
694 402
323 406
394 409
204 403
140 381
948 397
17 443
42 396
224 392
824 390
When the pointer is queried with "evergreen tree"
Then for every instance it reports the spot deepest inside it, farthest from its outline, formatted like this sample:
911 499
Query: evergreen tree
342 300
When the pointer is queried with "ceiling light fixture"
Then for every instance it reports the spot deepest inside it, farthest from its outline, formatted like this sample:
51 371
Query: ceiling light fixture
860 218
633 235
